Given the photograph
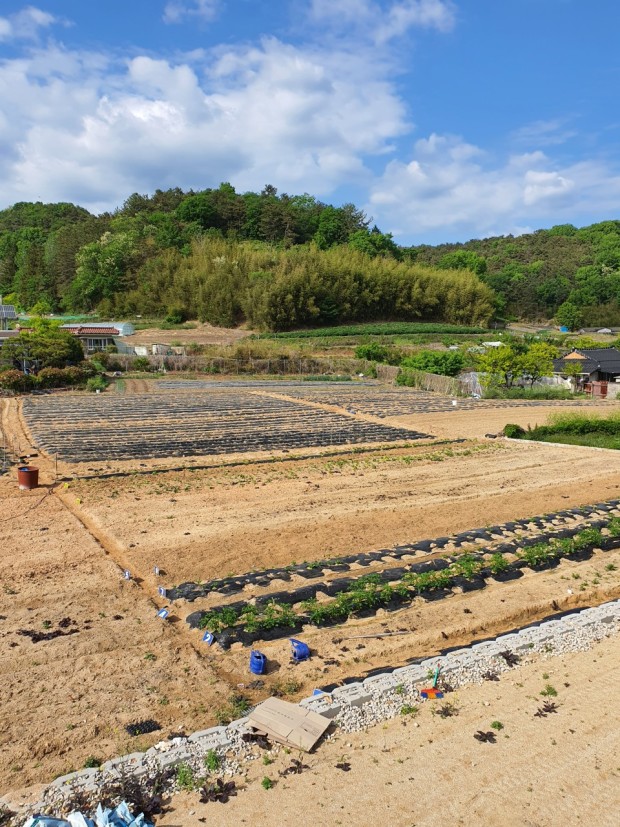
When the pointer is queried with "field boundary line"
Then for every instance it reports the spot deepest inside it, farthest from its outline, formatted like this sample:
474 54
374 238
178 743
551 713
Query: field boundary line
562 445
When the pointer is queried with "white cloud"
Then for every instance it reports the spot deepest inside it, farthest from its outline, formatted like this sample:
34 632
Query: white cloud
381 24
545 133
176 11
451 188
26 24
78 127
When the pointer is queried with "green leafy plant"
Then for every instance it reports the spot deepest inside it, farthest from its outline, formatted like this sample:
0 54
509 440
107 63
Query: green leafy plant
588 538
498 563
497 725
236 707
185 777
212 761
267 783
549 691
409 709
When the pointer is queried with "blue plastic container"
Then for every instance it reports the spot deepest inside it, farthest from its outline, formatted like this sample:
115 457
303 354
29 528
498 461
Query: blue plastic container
301 651
257 662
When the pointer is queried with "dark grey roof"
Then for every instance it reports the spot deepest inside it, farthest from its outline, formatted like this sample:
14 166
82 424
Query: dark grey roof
605 359
7 311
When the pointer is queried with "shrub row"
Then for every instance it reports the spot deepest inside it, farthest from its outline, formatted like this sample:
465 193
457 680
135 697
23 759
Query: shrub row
15 380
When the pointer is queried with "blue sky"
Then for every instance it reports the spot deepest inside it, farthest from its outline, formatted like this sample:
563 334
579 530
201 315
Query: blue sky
443 119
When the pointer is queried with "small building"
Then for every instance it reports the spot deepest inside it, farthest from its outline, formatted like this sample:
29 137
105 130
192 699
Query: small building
596 364
98 336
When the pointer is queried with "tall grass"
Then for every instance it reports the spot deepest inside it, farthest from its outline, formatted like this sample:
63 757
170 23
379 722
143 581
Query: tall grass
575 428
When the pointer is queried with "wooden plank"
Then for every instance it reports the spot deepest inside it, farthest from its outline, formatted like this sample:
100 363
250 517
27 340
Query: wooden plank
288 723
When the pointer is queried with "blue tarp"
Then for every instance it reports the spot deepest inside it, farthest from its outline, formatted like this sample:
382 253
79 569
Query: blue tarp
118 817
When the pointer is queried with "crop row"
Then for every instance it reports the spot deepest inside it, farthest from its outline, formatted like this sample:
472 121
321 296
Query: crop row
272 618
500 538
397 402
384 329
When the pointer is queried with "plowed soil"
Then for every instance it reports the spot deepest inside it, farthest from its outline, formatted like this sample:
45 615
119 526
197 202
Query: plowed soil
63 548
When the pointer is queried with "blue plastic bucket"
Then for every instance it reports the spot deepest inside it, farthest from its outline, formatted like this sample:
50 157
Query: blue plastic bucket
257 662
301 651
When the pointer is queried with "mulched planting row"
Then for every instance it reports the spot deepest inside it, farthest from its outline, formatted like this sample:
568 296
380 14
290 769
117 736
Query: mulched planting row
498 538
274 616
82 429
386 401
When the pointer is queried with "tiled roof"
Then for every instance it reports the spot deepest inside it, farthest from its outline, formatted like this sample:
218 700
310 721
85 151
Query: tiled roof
81 330
605 359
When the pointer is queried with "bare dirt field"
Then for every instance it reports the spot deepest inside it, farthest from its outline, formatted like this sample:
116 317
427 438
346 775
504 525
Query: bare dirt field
64 546
559 771
202 334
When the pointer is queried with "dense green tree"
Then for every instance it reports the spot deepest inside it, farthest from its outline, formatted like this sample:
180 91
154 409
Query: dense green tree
463 260
569 315
502 365
537 361
433 361
44 345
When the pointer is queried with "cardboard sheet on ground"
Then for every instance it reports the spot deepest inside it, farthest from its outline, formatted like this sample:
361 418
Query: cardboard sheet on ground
288 723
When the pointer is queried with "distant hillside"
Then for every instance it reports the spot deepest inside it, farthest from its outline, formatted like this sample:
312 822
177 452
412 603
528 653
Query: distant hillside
275 261
282 261
567 273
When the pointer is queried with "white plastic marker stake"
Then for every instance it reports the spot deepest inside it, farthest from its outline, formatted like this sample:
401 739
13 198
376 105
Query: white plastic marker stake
126 575
454 403
208 638
156 571
163 613
162 591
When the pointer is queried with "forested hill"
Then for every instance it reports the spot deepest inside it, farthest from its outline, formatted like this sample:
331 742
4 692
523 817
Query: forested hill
279 261
570 274
275 261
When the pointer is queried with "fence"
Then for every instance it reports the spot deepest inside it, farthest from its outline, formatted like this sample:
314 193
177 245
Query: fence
221 365
433 382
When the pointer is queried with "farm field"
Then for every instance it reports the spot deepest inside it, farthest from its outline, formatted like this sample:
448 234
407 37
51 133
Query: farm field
64 546
215 421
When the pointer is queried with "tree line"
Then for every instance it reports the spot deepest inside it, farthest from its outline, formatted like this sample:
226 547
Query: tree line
564 273
275 261
280 261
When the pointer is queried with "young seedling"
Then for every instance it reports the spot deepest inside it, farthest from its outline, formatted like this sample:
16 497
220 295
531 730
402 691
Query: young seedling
510 658
497 725
549 691
447 711
220 791
408 709
266 783
546 709
485 737
212 761
295 768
